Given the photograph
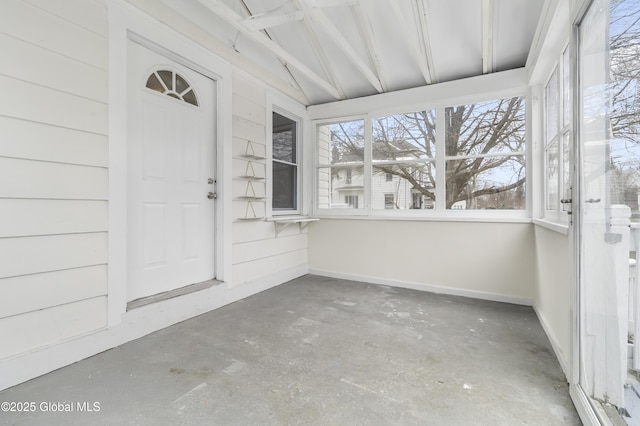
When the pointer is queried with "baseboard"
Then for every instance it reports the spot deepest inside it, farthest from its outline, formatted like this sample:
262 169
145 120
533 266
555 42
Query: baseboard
495 297
135 324
557 349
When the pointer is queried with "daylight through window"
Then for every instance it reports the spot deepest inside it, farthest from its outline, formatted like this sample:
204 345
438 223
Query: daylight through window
481 152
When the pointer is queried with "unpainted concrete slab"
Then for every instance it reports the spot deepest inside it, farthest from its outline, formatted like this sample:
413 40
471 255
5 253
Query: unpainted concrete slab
320 351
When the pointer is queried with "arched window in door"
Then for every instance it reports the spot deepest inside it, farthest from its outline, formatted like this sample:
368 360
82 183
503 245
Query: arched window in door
172 84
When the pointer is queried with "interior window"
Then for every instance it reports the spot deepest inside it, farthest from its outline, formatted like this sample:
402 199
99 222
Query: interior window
285 164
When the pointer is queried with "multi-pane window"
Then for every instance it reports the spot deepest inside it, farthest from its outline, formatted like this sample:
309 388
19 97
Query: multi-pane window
285 164
351 201
557 133
480 153
416 200
403 159
485 155
389 202
340 156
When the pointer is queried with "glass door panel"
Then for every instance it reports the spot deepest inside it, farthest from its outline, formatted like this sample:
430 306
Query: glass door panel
609 184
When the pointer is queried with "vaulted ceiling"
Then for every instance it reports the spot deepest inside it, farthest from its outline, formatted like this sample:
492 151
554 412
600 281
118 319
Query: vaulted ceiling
327 50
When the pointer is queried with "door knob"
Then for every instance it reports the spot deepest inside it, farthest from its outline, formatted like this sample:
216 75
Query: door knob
212 195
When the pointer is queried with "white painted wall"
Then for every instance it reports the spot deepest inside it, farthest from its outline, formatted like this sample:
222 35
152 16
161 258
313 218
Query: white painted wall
53 172
485 260
553 298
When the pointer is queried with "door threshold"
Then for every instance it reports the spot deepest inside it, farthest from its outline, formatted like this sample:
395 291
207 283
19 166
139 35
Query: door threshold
160 297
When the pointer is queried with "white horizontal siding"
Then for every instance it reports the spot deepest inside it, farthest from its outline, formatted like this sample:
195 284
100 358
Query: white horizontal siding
28 101
31 255
242 167
29 293
258 251
261 230
240 148
42 28
248 90
53 175
27 217
254 270
248 110
248 209
21 333
249 188
37 141
248 130
247 252
37 179
23 61
88 14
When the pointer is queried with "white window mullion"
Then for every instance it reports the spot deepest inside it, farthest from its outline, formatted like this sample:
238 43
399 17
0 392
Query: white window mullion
441 193
368 159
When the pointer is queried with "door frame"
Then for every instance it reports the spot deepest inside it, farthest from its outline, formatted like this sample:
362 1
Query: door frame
128 24
589 414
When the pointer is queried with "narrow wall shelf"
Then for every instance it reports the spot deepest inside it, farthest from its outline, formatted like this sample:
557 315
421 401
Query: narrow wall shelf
252 186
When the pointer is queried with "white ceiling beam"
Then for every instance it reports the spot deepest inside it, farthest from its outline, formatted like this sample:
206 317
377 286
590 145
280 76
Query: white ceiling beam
232 18
284 64
331 3
423 27
372 49
268 20
321 19
323 58
415 49
487 36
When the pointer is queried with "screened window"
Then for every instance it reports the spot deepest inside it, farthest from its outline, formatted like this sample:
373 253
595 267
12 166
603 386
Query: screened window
284 164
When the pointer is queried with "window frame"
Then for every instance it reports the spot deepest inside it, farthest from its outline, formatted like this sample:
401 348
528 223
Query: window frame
564 132
297 125
439 211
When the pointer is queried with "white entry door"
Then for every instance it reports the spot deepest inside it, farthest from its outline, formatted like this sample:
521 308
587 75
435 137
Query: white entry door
170 176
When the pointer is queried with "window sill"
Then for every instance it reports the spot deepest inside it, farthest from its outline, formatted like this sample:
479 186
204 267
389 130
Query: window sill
456 218
561 228
291 219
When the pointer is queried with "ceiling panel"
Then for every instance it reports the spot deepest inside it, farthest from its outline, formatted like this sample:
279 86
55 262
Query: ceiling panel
330 57
456 38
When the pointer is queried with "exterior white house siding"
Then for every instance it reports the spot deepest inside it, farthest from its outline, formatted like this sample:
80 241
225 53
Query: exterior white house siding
53 172
261 249
56 196
348 190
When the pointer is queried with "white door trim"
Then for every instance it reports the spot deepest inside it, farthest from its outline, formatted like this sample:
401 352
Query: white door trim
128 23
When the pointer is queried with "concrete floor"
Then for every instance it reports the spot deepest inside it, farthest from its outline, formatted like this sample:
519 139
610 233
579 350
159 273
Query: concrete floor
321 351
